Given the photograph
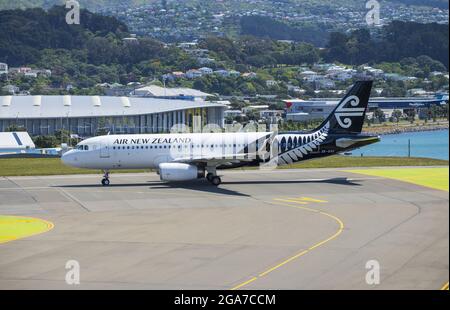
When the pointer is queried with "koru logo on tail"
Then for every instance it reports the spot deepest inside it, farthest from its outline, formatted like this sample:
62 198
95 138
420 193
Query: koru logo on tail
343 114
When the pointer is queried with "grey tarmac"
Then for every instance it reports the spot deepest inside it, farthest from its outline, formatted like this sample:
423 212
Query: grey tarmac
289 229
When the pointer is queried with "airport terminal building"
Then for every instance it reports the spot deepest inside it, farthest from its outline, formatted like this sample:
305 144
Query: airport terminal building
313 109
86 115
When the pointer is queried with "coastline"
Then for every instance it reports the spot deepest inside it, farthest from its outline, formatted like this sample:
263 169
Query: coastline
390 130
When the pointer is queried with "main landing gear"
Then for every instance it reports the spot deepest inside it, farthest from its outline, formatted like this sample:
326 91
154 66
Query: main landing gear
105 180
213 179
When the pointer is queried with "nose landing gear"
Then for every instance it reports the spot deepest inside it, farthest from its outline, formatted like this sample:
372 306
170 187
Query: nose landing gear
105 180
216 180
213 179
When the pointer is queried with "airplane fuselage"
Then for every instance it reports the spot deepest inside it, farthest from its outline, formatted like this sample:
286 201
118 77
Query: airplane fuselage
181 157
149 151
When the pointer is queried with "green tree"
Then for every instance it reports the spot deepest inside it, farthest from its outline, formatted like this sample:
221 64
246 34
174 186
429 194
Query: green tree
45 141
397 114
378 114
63 136
433 112
411 116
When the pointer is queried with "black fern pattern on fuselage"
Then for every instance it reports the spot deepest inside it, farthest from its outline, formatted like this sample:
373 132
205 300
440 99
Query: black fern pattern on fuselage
294 147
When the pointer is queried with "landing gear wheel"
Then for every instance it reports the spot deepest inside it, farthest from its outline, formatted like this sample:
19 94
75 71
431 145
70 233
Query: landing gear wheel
216 181
105 181
209 177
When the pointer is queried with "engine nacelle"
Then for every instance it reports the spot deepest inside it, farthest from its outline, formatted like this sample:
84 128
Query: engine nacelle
180 172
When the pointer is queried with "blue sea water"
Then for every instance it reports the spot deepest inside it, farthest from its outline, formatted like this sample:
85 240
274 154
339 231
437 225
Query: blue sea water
428 144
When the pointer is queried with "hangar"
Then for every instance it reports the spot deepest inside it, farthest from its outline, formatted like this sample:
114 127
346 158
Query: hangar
87 115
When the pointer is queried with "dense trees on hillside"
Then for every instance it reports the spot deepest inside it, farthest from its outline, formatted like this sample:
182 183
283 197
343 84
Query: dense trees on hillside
94 52
419 67
407 39
261 52
26 32
398 40
266 27
89 53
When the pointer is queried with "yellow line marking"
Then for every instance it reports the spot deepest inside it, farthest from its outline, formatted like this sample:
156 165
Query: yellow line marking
445 287
341 228
312 199
243 284
283 263
8 238
294 201
303 252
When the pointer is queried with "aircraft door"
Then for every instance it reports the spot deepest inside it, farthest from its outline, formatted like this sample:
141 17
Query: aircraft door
104 151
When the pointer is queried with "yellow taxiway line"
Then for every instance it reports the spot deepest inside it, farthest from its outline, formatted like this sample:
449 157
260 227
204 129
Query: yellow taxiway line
282 202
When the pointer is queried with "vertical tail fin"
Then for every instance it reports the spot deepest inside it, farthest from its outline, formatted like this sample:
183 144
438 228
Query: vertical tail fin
348 116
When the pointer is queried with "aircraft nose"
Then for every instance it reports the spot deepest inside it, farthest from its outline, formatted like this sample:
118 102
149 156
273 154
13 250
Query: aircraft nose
69 159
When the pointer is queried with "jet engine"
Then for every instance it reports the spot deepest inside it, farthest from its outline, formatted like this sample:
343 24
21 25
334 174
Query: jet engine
180 172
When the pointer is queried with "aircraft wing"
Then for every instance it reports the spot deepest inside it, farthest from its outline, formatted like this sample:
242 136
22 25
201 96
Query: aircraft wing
212 160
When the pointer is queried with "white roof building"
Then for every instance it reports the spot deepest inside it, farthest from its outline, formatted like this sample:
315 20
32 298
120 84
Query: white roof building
271 83
194 73
155 91
10 141
308 73
224 73
3 68
255 108
206 70
85 115
233 113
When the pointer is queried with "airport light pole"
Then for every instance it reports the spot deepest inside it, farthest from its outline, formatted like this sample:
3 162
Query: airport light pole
68 128
409 148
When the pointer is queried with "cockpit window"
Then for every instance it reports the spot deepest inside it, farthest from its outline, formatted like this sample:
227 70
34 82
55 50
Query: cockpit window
83 147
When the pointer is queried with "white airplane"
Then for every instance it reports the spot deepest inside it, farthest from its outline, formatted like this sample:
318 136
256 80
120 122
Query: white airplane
184 157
